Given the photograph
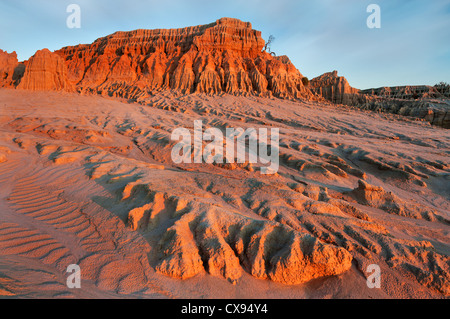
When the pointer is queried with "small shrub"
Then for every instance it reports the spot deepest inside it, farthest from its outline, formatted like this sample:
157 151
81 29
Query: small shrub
442 87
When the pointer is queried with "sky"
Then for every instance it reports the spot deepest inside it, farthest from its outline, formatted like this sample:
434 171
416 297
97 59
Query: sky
412 47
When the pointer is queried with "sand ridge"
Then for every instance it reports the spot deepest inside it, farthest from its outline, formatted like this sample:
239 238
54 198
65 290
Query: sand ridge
94 184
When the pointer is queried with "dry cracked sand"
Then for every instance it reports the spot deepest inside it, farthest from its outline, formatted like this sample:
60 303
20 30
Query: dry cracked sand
89 180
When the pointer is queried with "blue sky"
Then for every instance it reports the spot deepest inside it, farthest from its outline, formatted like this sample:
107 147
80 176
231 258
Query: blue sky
411 47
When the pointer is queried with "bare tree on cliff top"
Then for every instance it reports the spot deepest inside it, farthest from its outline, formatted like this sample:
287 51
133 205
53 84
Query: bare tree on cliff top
268 43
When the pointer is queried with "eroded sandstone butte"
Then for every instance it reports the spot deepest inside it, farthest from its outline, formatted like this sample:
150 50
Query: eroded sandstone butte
10 69
45 71
224 56
334 88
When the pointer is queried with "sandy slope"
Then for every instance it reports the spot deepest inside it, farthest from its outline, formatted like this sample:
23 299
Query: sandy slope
89 180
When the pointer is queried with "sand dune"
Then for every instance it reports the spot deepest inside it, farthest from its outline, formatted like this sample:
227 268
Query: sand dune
90 180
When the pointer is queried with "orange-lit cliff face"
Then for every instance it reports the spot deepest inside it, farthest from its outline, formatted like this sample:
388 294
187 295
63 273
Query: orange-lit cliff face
45 71
10 70
334 88
222 57
225 56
